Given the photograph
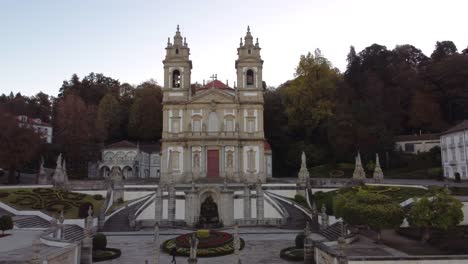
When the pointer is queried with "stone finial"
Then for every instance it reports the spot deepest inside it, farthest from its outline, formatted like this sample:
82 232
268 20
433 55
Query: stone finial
178 29
359 173
248 28
378 173
303 176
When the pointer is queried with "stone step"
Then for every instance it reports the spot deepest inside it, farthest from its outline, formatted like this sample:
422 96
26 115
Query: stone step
73 233
30 222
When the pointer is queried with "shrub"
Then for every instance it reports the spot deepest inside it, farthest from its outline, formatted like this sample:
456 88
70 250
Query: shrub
345 166
300 240
300 199
98 197
83 209
99 241
336 173
4 194
6 223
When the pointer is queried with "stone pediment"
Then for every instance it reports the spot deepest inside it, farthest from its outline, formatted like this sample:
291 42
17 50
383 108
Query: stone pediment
211 95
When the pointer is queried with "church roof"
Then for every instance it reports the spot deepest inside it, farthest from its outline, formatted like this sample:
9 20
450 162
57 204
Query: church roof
462 126
121 144
215 84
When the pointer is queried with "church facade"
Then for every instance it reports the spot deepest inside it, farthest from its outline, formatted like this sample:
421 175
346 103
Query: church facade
213 133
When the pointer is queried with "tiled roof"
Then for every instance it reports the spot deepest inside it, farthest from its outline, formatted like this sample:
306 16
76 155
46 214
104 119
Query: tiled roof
215 84
32 121
121 144
462 126
417 137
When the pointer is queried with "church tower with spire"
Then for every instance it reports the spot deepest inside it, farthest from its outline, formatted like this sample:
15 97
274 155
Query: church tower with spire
249 65
177 69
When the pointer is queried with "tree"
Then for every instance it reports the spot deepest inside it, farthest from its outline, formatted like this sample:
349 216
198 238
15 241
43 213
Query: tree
18 145
74 132
145 116
375 210
6 223
109 118
440 210
443 50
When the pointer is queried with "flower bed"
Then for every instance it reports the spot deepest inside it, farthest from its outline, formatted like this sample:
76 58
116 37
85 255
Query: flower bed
216 244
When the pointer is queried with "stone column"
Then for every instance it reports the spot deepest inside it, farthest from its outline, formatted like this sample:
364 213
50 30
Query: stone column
260 206
308 246
158 205
157 247
246 199
60 234
171 205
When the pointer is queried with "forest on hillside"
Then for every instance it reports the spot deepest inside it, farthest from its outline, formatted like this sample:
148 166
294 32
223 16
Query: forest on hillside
327 113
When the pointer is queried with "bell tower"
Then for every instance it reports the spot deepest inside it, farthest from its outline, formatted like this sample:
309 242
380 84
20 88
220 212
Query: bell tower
177 70
249 65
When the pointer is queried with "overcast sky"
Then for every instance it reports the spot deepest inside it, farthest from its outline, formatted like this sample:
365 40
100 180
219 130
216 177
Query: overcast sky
43 42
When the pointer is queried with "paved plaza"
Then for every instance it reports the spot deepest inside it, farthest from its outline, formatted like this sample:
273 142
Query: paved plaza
262 246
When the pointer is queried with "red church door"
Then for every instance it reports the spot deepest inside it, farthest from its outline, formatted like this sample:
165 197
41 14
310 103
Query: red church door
213 163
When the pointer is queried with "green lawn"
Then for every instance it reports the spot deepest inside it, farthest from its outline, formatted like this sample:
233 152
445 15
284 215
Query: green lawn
50 201
399 194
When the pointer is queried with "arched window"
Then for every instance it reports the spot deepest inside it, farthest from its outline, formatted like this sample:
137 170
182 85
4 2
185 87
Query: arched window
176 79
250 51
250 77
176 51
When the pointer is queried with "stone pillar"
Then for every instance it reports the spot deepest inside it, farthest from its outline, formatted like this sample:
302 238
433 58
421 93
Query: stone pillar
157 247
158 205
308 246
192 205
171 206
227 207
246 199
60 234
236 243
260 206
87 242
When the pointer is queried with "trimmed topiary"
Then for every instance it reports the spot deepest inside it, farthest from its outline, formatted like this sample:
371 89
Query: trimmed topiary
6 223
292 254
299 240
106 254
99 242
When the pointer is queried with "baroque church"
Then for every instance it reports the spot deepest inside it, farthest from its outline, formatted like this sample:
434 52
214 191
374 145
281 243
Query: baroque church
213 133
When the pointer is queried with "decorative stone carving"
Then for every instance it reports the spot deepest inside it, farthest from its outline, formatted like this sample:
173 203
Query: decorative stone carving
359 173
378 173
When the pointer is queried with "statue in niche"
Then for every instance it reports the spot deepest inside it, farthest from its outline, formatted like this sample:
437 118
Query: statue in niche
193 240
229 160
196 160
209 213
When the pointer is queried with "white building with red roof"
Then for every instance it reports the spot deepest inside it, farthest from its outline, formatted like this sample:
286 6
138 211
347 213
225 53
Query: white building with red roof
42 128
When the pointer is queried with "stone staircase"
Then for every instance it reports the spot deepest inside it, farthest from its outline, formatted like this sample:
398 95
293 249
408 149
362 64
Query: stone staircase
30 221
297 219
4 212
73 233
332 232
119 222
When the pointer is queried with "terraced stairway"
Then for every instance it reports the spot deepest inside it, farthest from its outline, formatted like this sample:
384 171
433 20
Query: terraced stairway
119 221
297 218
332 232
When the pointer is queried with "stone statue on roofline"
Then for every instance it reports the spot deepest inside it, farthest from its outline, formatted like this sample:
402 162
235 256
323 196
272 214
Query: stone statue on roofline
59 178
42 175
